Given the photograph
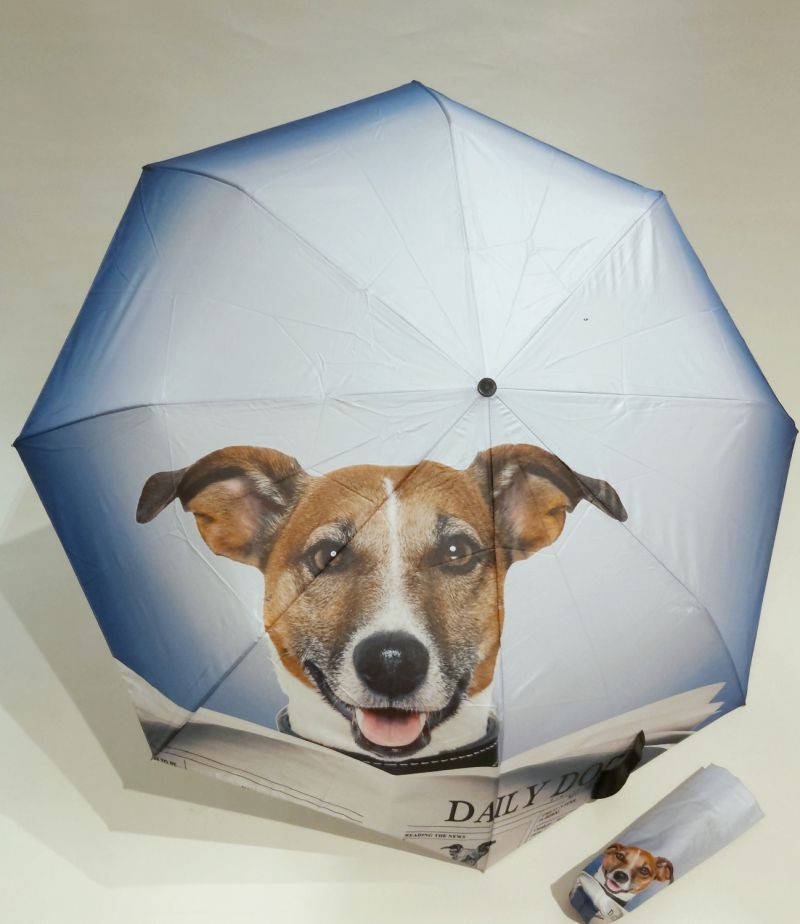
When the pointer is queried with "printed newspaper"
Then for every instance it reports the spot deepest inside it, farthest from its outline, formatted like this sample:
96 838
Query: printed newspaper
475 815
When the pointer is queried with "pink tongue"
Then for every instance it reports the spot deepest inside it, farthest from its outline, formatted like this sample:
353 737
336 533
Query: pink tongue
390 729
613 885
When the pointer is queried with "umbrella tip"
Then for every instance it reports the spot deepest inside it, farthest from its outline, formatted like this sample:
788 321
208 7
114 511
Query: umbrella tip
487 387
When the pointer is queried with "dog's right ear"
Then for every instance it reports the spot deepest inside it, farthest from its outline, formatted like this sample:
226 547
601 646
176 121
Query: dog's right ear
664 870
240 497
531 491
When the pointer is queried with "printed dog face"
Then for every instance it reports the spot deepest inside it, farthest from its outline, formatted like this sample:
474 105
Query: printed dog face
383 585
627 871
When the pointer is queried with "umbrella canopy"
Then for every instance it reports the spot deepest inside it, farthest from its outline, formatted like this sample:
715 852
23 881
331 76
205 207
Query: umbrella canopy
356 400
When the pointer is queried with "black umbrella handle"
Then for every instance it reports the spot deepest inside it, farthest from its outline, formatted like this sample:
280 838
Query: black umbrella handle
614 778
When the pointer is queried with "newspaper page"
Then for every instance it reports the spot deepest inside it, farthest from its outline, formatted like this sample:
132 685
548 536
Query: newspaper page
473 816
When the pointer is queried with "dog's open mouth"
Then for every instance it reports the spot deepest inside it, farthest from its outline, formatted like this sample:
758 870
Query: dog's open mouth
613 886
387 732
391 728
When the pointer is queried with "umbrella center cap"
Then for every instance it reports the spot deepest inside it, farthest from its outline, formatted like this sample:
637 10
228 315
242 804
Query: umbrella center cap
487 387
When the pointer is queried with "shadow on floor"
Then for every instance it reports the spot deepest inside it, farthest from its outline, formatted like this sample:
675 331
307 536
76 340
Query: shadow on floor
47 603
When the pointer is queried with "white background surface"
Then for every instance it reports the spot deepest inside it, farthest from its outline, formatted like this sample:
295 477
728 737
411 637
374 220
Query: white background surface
698 99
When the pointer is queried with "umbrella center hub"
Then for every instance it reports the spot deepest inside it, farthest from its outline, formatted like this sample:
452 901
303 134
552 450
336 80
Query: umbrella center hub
487 387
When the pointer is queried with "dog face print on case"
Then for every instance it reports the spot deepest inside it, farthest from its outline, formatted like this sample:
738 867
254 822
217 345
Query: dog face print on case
627 871
624 872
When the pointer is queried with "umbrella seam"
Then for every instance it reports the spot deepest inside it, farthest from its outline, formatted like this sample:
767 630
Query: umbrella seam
512 303
204 695
586 635
410 253
655 558
209 693
623 338
660 198
168 347
498 590
284 402
140 199
312 249
290 402
467 247
623 394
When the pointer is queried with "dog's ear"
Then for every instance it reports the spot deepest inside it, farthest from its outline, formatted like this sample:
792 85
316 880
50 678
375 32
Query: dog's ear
664 870
532 491
240 497
159 490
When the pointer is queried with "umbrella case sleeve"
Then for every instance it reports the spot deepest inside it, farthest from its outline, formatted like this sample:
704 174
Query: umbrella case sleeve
707 811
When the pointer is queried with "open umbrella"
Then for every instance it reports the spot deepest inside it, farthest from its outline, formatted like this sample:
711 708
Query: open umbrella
412 468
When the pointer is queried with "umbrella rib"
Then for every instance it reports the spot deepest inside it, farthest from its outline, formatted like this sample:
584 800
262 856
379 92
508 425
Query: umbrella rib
210 692
467 248
623 394
655 558
498 591
311 248
398 392
631 334
283 402
586 634
291 402
589 272
410 253
527 260
168 346
699 498
422 334
140 199
237 660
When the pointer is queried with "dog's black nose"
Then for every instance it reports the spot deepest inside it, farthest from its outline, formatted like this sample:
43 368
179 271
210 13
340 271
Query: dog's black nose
619 876
391 663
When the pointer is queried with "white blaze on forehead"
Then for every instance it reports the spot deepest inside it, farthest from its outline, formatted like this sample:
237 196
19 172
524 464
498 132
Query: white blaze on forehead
633 857
395 559
395 611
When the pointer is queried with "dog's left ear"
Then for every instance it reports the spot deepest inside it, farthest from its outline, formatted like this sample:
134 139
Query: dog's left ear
240 496
664 870
532 491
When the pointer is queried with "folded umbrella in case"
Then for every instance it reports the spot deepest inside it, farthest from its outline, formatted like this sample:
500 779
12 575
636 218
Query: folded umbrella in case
706 812
392 443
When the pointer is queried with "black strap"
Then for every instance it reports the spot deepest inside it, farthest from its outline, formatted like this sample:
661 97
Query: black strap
612 779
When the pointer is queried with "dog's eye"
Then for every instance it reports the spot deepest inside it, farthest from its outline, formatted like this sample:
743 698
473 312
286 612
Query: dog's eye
645 871
457 552
455 548
326 553
620 857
